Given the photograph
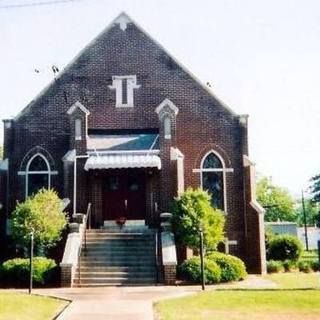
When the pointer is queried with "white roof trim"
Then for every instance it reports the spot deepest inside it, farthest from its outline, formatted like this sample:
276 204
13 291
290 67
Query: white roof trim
170 104
69 156
121 161
175 154
257 206
123 19
247 162
78 105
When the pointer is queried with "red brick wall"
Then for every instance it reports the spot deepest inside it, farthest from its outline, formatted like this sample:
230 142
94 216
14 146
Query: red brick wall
202 123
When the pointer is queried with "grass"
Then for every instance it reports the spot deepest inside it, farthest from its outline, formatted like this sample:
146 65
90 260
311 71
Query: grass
295 280
19 306
291 302
243 305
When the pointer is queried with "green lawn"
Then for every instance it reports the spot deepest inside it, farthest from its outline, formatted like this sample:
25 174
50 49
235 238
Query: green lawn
243 305
290 302
295 280
18 306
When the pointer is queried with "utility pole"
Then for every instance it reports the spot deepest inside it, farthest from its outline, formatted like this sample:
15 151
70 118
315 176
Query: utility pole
31 260
201 259
305 221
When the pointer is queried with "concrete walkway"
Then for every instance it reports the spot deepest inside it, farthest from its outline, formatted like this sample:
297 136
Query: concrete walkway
131 303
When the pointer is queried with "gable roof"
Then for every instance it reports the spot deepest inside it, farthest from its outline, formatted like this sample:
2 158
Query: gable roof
122 20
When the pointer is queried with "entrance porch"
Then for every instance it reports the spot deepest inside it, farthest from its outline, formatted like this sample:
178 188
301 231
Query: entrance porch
124 195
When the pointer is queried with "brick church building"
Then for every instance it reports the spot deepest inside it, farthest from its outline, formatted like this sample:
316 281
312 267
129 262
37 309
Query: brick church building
127 128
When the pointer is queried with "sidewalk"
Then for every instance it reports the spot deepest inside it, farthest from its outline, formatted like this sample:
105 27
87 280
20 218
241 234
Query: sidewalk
131 303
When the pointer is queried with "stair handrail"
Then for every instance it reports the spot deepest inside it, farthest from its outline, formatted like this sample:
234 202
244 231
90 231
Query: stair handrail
157 253
86 222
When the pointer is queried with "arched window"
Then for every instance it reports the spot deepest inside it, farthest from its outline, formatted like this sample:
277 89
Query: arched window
37 174
213 179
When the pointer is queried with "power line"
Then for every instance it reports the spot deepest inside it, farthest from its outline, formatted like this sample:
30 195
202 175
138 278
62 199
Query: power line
35 4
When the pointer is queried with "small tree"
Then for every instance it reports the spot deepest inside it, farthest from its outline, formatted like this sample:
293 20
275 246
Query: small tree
315 188
192 211
42 213
277 201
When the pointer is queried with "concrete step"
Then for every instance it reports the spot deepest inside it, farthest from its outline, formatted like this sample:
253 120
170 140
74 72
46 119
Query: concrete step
130 269
138 275
112 255
148 249
119 245
110 238
98 232
104 263
119 284
127 229
117 258
115 281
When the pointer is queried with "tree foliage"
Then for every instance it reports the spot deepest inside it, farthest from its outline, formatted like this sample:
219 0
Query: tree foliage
312 213
277 201
315 188
192 211
1 152
42 213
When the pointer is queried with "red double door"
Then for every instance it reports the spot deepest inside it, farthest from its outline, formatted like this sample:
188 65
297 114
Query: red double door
124 195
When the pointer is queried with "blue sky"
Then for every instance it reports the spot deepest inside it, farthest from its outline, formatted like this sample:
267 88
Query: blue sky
261 58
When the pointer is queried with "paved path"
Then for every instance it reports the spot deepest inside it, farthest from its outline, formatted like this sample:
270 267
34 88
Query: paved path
130 303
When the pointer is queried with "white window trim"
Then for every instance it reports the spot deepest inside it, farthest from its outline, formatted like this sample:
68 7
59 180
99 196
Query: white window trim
27 172
224 170
131 85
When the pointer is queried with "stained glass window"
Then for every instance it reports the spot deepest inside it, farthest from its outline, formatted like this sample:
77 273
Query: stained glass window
212 180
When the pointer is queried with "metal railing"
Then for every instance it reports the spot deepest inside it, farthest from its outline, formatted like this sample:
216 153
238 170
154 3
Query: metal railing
86 225
156 235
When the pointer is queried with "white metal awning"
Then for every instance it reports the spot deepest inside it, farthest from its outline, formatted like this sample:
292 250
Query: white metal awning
123 160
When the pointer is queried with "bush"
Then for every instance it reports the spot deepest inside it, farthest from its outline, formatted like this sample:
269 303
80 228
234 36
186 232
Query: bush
191 270
284 247
232 268
315 265
305 266
192 211
289 265
42 213
16 272
274 266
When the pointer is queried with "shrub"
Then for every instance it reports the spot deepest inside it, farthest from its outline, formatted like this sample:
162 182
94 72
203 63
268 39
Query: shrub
284 247
232 268
42 213
315 265
289 265
191 270
15 272
305 266
274 266
192 211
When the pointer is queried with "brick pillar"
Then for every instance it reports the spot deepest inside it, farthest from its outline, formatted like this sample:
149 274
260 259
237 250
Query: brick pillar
167 113
66 276
253 213
170 274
